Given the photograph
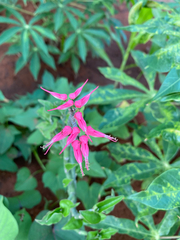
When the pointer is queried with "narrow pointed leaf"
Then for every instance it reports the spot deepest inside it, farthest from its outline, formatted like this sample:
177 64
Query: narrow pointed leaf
9 33
45 32
69 42
82 48
45 7
39 41
8 20
58 19
25 44
35 65
107 203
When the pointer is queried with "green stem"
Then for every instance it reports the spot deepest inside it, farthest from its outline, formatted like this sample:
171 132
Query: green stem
170 237
39 160
130 66
126 55
18 9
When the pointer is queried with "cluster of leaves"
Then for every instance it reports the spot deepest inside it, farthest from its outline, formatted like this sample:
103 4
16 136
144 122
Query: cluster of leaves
153 155
62 28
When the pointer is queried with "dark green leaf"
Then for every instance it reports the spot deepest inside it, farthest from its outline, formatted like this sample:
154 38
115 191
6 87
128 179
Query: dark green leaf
45 32
7 164
46 7
82 48
35 65
48 59
58 19
6 139
25 44
39 41
72 20
25 181
8 20
20 63
9 33
69 42
93 19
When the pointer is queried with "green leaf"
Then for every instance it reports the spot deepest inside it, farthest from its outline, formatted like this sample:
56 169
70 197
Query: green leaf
39 41
141 60
48 59
104 96
20 63
9 33
35 65
72 20
6 139
69 42
170 150
107 203
45 32
58 19
126 151
16 14
75 63
66 182
98 33
28 199
70 166
170 85
124 226
64 57
24 223
73 224
35 138
125 173
6 164
88 194
25 181
25 44
168 221
8 226
119 116
2 97
51 217
45 7
117 75
46 128
163 192
82 47
25 149
107 233
93 19
48 80
8 20
66 205
91 217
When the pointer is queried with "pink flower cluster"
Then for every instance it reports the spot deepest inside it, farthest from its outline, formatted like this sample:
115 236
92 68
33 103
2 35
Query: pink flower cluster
79 144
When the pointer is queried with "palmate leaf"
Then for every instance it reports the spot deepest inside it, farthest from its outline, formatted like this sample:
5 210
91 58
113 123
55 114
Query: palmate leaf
117 75
119 151
124 226
163 193
105 95
137 171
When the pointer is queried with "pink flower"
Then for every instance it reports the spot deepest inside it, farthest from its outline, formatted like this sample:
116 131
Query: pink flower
64 133
77 92
56 95
81 122
85 149
84 100
65 105
72 137
95 133
77 153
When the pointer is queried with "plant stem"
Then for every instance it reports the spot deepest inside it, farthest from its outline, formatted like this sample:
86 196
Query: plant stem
39 160
126 55
170 237
18 9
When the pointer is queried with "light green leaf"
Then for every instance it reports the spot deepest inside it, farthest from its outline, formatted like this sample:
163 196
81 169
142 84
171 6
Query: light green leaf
82 47
66 182
73 224
70 166
170 85
46 128
35 65
124 226
28 199
51 217
24 223
9 33
107 203
119 116
25 44
163 192
44 32
25 181
128 152
117 75
69 42
8 226
125 173
107 233
39 41
91 217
